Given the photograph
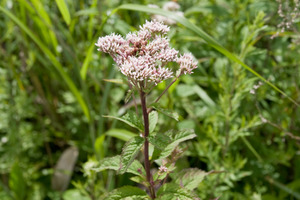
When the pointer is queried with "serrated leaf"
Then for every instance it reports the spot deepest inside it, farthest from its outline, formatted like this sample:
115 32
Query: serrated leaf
153 118
129 152
190 178
131 119
121 134
172 191
127 193
179 137
113 163
159 141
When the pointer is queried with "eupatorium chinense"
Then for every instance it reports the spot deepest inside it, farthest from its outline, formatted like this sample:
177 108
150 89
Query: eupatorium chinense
142 56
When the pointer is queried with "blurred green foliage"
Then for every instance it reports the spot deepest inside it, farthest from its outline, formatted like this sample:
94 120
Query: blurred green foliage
53 96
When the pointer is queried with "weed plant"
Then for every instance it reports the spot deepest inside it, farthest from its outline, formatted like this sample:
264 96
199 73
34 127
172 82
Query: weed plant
242 101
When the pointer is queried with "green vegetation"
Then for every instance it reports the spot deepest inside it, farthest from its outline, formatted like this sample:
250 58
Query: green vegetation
58 92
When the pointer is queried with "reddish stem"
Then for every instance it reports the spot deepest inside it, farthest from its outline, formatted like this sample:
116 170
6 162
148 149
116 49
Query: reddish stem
146 144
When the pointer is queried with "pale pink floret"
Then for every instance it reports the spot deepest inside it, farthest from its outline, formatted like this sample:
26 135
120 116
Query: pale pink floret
157 45
167 55
159 74
144 68
110 43
143 55
163 169
138 68
155 27
187 63
144 34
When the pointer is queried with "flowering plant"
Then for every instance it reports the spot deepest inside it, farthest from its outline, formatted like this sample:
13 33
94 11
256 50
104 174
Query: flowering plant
143 57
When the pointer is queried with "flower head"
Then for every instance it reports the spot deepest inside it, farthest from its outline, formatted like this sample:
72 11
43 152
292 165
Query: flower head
111 43
142 56
187 63
155 27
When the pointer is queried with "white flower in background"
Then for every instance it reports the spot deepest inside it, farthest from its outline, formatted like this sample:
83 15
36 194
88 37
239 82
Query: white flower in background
169 6
142 56
4 140
255 87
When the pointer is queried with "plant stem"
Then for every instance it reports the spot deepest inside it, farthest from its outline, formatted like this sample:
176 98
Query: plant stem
175 79
146 144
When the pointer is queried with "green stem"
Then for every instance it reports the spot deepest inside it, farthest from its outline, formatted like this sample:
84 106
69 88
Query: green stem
166 89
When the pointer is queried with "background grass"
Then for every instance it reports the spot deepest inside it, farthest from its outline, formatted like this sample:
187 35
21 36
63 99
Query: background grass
53 96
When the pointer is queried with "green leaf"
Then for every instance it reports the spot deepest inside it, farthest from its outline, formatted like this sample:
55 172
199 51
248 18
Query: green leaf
74 194
63 8
99 146
44 23
113 163
184 90
179 137
116 81
121 134
204 96
283 187
139 179
159 141
53 59
129 152
17 182
127 193
86 61
210 41
172 191
171 114
190 178
128 96
131 119
88 11
153 118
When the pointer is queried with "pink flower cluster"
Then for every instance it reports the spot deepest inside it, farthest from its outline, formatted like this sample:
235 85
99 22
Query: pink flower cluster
143 55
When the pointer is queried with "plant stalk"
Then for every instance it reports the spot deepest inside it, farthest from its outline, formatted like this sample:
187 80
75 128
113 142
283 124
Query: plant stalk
146 144
175 79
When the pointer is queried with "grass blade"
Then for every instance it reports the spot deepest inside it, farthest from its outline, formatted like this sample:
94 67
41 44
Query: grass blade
63 8
86 62
45 23
52 58
283 187
210 41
